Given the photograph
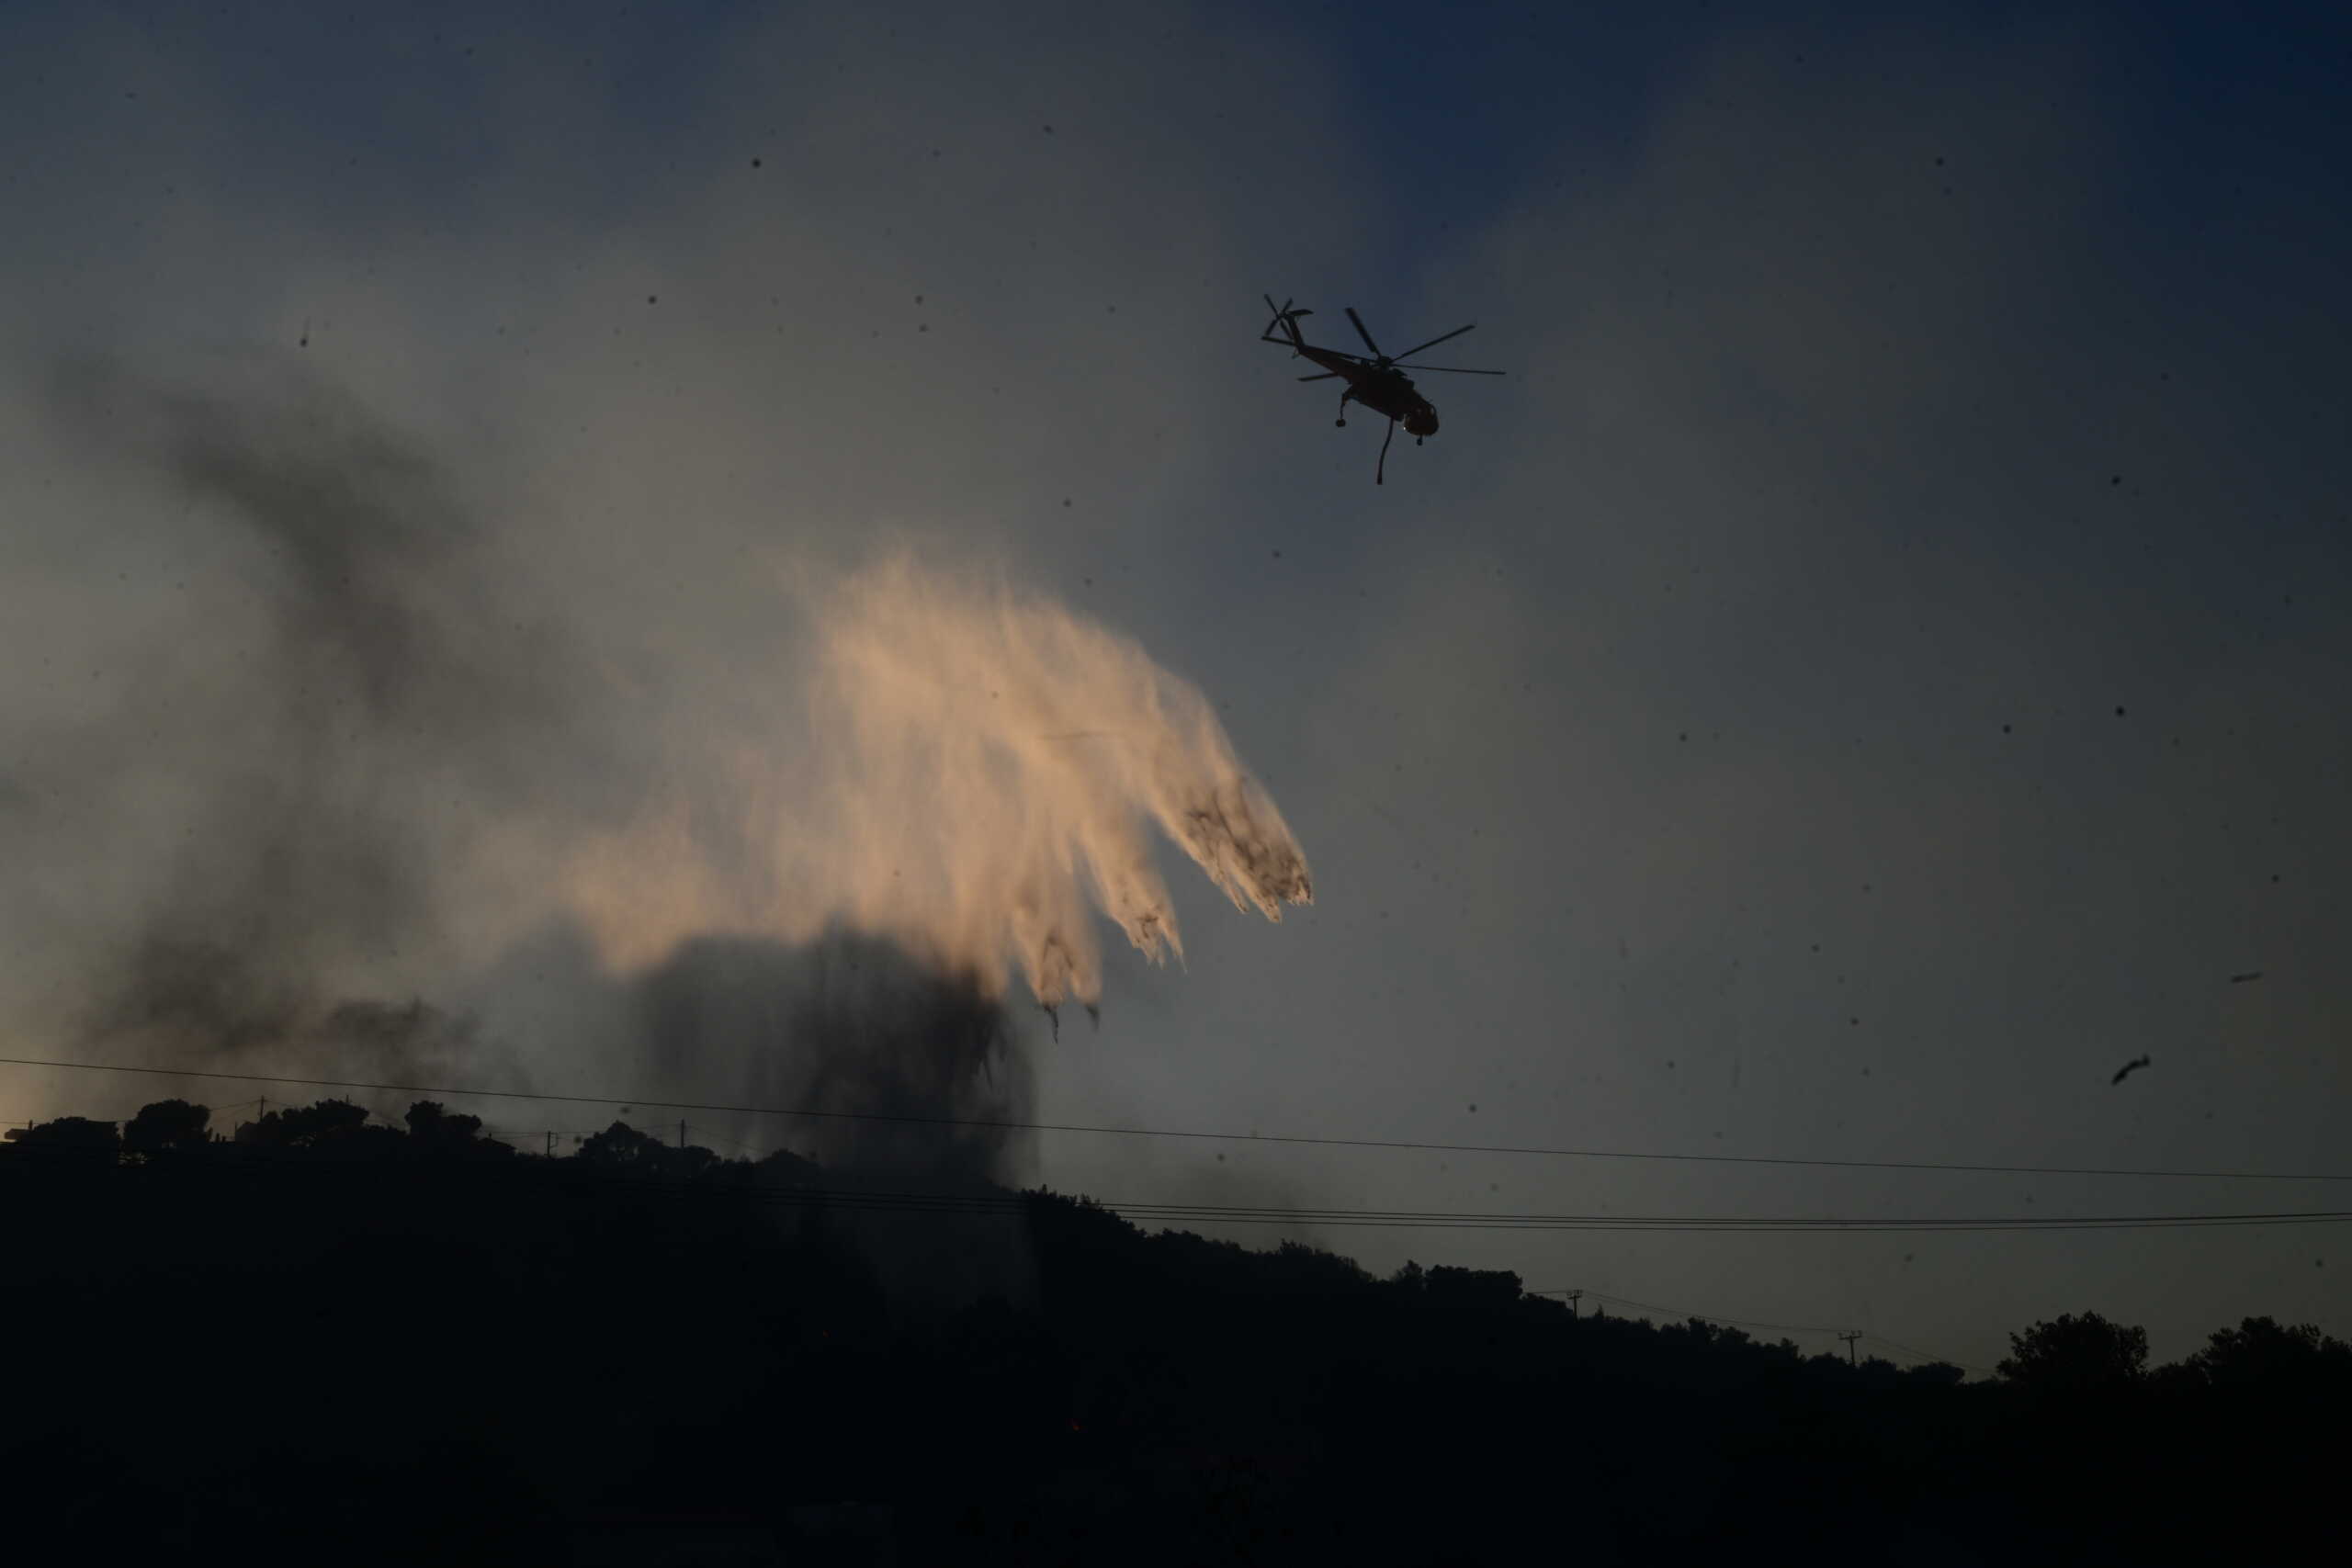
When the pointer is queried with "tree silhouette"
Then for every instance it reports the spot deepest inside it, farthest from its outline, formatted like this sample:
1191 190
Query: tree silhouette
330 1127
782 1168
621 1147
70 1138
168 1127
1236 1398
2258 1350
434 1131
1476 1288
2069 1354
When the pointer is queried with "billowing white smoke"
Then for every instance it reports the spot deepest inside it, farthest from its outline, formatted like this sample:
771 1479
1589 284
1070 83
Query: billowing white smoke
976 774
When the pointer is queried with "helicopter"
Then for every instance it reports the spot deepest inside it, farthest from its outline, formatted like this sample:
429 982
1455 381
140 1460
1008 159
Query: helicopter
1378 382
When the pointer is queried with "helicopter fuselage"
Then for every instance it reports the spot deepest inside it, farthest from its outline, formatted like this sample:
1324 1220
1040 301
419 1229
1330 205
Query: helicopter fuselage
1386 392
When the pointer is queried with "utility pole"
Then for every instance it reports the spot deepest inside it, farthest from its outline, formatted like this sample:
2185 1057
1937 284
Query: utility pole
550 1143
1851 1357
682 1133
1573 1297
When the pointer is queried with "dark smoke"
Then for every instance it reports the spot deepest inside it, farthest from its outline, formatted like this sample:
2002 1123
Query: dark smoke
389 708
855 1025
180 1001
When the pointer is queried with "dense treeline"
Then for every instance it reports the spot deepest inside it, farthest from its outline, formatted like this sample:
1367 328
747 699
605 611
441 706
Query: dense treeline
322 1338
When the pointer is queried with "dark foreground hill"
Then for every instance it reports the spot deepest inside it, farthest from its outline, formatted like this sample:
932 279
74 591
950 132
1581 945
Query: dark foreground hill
327 1342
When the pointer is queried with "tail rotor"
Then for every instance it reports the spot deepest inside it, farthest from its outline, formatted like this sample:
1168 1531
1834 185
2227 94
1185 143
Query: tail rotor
1283 328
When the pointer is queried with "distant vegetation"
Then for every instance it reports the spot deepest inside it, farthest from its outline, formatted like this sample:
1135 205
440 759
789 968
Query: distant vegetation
327 1338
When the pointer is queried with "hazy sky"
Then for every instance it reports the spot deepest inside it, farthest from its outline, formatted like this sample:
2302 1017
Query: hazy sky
1876 664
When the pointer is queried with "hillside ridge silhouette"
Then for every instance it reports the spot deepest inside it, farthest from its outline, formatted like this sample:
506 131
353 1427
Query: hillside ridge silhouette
320 1333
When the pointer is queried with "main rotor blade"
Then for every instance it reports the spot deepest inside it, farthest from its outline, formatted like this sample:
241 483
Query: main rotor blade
1360 333
1433 342
1327 376
1450 370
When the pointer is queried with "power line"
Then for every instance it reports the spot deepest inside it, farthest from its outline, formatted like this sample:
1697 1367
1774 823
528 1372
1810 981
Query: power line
1000 1201
1009 1203
1013 1204
1291 1139
1767 1222
1442 1220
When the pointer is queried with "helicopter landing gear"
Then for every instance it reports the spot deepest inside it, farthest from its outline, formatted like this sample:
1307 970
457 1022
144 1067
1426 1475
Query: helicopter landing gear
1417 441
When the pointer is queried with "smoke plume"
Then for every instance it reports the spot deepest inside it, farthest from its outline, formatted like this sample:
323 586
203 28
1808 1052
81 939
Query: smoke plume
913 1076
361 756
